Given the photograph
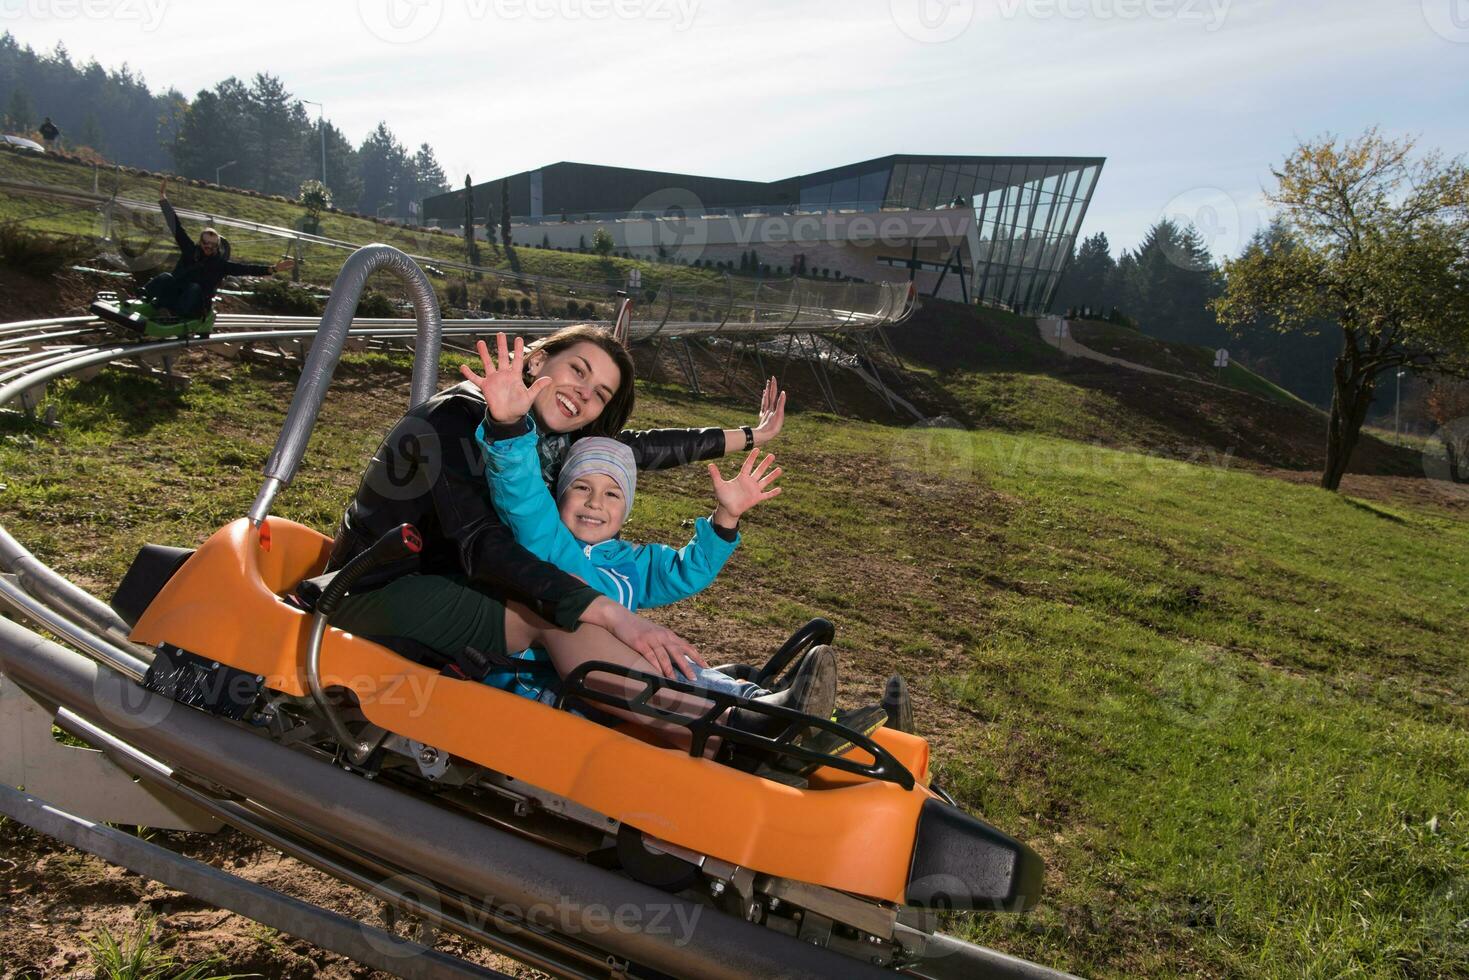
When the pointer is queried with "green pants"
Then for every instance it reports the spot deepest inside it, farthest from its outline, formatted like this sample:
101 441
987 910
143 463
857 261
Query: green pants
440 611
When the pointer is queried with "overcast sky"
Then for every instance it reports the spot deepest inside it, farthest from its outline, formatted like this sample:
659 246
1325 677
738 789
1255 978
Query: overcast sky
1190 101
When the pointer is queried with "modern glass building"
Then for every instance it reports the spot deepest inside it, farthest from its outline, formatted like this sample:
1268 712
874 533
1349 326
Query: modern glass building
1027 212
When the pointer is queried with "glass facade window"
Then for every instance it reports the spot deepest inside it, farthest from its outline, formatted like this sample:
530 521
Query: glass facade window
844 191
815 196
872 187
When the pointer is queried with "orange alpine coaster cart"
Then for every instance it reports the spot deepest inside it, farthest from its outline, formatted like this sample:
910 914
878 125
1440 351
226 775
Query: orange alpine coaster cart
858 857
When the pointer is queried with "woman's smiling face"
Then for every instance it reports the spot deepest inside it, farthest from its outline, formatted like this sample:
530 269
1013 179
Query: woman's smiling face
583 379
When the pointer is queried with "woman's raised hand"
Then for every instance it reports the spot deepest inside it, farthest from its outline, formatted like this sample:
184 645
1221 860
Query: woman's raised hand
772 413
754 483
507 397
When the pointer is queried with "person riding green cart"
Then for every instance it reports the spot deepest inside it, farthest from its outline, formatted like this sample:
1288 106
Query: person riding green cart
179 303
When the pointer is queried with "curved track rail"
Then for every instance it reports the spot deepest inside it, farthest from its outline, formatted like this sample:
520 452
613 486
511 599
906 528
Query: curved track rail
454 872
732 306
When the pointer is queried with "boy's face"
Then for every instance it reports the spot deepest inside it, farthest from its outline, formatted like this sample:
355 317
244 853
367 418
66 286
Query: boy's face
593 508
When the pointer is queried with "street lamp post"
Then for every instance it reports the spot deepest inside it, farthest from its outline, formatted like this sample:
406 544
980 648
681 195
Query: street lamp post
221 169
321 127
1397 409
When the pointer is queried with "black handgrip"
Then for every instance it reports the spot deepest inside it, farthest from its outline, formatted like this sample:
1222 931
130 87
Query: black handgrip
401 542
813 634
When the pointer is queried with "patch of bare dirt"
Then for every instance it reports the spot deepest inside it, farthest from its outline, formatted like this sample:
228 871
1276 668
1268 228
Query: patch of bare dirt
1415 491
28 297
52 898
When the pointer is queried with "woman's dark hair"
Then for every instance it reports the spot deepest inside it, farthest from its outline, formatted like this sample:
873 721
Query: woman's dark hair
619 407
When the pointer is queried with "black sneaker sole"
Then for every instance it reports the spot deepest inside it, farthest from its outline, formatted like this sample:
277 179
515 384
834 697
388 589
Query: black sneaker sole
899 705
813 691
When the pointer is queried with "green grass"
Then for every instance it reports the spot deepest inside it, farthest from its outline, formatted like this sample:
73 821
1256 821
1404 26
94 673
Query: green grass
1232 713
1000 374
140 956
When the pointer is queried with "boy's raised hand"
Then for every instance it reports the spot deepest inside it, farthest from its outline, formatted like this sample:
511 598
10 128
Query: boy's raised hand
507 397
754 483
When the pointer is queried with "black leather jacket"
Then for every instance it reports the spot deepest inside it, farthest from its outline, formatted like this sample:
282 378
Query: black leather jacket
206 270
429 472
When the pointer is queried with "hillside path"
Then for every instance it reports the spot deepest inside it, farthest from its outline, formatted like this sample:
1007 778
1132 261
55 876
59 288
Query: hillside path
1069 346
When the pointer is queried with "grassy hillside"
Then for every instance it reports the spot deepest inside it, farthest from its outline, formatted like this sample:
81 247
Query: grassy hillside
1231 712
1000 374
320 264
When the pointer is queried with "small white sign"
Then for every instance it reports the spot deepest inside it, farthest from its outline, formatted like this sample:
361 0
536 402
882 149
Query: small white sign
1221 358
1063 329
635 279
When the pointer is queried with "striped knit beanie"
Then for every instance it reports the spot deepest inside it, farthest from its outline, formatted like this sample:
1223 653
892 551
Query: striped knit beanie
599 454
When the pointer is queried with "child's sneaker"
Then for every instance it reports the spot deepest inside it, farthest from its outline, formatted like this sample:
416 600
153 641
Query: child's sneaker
813 691
899 705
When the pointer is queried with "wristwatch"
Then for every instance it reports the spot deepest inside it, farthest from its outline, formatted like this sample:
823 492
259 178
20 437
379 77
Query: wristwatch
749 437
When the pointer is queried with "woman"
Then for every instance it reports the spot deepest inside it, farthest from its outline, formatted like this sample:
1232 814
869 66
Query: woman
453 597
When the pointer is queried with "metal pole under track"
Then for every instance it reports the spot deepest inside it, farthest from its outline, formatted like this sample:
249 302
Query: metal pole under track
411 894
366 944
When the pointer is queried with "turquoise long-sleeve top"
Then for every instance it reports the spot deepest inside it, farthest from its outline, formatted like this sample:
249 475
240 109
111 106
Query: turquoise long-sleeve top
632 575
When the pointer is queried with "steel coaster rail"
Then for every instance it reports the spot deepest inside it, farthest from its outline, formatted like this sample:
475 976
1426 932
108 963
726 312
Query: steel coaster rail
330 930
326 350
361 871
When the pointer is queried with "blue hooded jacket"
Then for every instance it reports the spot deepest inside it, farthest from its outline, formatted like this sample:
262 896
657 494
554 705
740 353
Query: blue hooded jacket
632 575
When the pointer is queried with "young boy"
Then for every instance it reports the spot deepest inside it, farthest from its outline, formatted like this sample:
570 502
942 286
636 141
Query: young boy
578 530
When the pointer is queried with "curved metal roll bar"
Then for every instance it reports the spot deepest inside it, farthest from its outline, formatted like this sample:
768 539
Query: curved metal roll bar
326 351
